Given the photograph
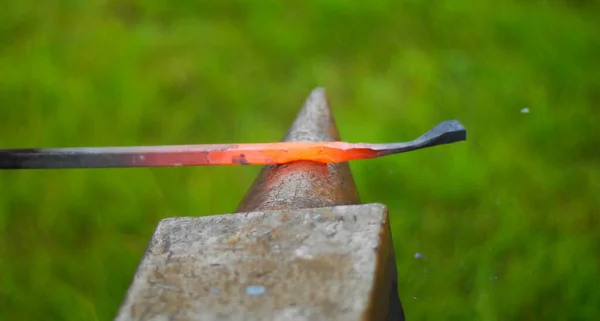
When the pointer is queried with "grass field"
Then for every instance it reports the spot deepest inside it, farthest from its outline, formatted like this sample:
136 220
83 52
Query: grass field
507 222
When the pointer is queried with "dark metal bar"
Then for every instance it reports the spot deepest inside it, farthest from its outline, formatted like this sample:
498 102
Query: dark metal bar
447 132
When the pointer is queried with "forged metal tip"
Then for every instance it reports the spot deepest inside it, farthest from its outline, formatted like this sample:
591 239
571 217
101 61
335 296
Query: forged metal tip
447 132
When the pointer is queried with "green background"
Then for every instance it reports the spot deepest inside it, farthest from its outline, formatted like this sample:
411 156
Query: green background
507 222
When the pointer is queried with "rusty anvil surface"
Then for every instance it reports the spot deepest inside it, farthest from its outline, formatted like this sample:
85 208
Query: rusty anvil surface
299 247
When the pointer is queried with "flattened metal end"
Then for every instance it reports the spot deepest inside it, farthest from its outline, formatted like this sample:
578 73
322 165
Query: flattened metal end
447 132
304 184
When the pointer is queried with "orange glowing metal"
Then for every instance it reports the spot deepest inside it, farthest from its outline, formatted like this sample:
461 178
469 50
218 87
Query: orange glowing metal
232 154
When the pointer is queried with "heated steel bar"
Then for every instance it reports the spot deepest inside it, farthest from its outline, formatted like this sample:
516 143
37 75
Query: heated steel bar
221 154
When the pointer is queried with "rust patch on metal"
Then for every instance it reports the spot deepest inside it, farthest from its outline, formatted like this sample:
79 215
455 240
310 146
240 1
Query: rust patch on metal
304 184
240 159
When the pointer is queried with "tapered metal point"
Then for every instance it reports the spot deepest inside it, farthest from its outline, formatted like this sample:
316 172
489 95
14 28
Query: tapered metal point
304 184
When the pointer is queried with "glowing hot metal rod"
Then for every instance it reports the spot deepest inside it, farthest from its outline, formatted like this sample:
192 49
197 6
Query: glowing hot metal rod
233 154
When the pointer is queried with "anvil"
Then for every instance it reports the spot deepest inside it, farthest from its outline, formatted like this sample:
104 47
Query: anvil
300 245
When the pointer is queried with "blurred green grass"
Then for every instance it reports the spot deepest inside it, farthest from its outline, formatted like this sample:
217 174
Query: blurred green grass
507 222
